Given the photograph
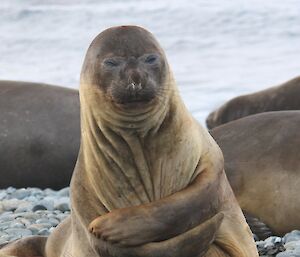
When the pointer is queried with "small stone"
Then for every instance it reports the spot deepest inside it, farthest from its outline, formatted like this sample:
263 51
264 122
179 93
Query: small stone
29 215
42 220
35 228
62 216
20 193
17 225
292 236
44 232
19 232
15 237
3 241
51 229
54 222
26 222
49 191
3 195
5 225
6 216
24 207
288 254
65 192
38 207
62 204
11 205
10 190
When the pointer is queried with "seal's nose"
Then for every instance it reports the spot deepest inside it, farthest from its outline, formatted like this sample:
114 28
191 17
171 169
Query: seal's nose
134 76
133 87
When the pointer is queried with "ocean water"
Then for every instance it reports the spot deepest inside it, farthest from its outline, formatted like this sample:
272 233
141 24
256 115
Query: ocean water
217 49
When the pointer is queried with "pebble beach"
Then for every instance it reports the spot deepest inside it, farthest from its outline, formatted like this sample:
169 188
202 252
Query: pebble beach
33 211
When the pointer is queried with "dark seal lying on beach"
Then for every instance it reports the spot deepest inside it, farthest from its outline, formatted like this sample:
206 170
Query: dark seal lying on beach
149 180
262 163
39 134
279 98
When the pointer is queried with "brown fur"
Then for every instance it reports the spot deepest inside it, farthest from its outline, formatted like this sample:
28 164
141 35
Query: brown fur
279 98
149 180
262 162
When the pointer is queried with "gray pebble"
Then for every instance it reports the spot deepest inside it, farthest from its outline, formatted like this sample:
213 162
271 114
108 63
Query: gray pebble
19 232
44 232
292 236
42 220
64 192
49 191
26 222
24 207
38 207
10 190
62 204
11 205
3 240
20 193
17 224
3 195
35 228
288 254
62 216
5 225
54 222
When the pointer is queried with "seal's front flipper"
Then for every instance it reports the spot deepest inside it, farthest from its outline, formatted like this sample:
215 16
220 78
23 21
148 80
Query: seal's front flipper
193 243
26 247
259 228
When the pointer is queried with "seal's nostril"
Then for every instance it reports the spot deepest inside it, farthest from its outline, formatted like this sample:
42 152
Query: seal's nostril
134 87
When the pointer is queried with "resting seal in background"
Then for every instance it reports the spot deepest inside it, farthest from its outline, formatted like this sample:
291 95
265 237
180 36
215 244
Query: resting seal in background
262 163
279 98
39 134
149 180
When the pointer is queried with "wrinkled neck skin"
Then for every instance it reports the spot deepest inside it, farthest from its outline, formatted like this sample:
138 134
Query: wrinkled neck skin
119 148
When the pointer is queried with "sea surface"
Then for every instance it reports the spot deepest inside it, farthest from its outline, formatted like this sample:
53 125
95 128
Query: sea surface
217 49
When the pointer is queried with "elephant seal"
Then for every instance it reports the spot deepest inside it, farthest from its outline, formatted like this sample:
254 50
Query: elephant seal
39 134
149 180
279 98
262 163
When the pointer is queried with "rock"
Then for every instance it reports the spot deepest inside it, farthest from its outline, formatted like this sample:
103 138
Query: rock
10 190
24 207
35 228
49 191
62 216
16 224
26 222
19 232
20 193
44 232
38 207
65 192
288 254
292 236
62 204
11 205
54 222
5 225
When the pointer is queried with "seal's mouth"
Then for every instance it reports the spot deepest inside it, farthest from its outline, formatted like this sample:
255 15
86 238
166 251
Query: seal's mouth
134 103
133 95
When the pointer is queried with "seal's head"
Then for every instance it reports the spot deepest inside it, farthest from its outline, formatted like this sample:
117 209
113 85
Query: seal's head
127 65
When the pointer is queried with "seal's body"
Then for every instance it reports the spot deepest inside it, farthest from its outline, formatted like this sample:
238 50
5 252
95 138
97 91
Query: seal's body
149 180
39 134
262 162
279 98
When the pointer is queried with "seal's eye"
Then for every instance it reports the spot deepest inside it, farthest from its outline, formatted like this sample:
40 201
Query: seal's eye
151 59
111 63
